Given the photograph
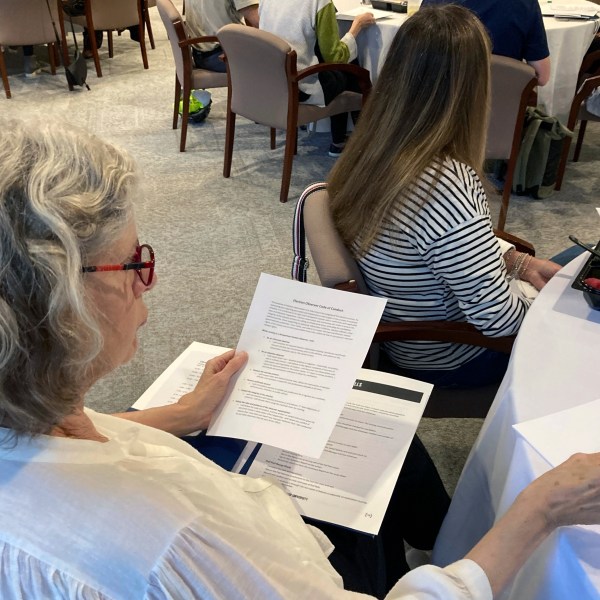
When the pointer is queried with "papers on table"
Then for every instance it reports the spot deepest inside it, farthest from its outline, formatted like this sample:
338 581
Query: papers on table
352 482
576 10
305 344
348 15
559 435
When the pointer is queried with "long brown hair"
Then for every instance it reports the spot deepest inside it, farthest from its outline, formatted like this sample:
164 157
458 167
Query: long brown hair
430 102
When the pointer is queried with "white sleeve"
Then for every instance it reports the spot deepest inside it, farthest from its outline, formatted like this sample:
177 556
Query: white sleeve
504 245
462 580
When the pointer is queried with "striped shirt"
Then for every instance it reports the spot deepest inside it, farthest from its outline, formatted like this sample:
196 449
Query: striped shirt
437 258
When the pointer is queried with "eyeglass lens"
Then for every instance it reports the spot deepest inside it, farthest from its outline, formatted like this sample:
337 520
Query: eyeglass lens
145 256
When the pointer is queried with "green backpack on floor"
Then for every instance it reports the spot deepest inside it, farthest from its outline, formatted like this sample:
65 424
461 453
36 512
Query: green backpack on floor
539 156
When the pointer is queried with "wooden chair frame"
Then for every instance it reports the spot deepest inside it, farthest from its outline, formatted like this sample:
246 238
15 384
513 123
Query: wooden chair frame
291 140
53 55
91 30
587 86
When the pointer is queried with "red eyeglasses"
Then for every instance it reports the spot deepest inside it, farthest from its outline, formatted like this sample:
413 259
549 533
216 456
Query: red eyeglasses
143 265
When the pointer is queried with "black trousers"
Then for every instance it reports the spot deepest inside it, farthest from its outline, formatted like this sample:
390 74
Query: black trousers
333 84
372 565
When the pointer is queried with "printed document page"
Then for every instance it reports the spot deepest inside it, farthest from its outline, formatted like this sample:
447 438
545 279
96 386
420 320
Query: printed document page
352 482
180 377
559 435
305 344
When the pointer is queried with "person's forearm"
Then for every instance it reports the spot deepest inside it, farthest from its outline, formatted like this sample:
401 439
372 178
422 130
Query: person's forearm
506 547
172 418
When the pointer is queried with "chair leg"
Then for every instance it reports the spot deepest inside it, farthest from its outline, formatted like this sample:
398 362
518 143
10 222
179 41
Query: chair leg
177 101
143 46
229 135
149 27
582 126
562 165
295 141
94 48
273 134
185 115
183 10
111 46
288 159
4 74
52 57
504 207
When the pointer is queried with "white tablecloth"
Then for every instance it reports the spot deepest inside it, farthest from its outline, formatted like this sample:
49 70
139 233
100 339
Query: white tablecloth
567 41
554 366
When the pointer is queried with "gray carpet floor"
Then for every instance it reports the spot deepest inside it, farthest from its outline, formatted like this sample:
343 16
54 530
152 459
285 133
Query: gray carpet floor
214 236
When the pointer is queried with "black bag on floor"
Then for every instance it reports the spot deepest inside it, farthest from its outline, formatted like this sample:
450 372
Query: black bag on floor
539 155
76 72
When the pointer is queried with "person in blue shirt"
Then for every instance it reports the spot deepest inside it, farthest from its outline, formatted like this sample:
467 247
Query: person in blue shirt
516 29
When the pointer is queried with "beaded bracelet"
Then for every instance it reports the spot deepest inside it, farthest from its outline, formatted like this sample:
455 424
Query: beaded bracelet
517 266
525 266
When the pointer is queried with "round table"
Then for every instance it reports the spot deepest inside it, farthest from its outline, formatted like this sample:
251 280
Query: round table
567 41
552 368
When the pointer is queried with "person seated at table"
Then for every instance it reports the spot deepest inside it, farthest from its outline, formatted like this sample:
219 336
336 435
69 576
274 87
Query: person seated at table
516 28
311 29
408 199
206 17
103 506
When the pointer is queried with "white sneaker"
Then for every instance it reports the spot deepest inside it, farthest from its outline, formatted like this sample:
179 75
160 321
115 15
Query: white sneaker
32 67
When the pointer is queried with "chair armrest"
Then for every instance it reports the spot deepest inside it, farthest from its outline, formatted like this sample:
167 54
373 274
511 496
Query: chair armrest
363 76
347 286
458 332
198 40
520 244
588 61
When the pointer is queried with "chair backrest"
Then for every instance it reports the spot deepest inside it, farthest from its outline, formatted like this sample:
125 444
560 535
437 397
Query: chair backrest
27 22
258 64
333 261
113 14
170 17
579 108
511 84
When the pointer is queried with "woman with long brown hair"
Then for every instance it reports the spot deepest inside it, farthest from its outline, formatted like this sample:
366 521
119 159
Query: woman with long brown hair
407 196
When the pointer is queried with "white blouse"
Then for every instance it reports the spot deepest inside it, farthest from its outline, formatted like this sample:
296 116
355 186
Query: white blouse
145 516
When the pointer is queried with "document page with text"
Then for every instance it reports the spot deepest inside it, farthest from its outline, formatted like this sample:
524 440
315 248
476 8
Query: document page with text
351 484
180 377
305 344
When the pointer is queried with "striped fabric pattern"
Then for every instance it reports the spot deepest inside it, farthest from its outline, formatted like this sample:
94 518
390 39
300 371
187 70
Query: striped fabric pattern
437 258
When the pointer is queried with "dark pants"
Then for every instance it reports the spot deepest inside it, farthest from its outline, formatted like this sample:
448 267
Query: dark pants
333 84
210 60
595 45
373 564
27 50
487 368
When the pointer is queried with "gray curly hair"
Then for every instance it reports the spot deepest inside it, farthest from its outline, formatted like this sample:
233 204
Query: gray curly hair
64 196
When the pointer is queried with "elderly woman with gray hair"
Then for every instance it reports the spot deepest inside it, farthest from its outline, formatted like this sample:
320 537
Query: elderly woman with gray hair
99 506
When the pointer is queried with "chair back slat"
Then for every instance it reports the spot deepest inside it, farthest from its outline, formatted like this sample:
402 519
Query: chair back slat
257 69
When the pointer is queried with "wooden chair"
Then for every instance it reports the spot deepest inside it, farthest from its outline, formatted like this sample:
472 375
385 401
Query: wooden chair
263 87
148 22
29 24
512 83
338 269
588 82
108 15
187 77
